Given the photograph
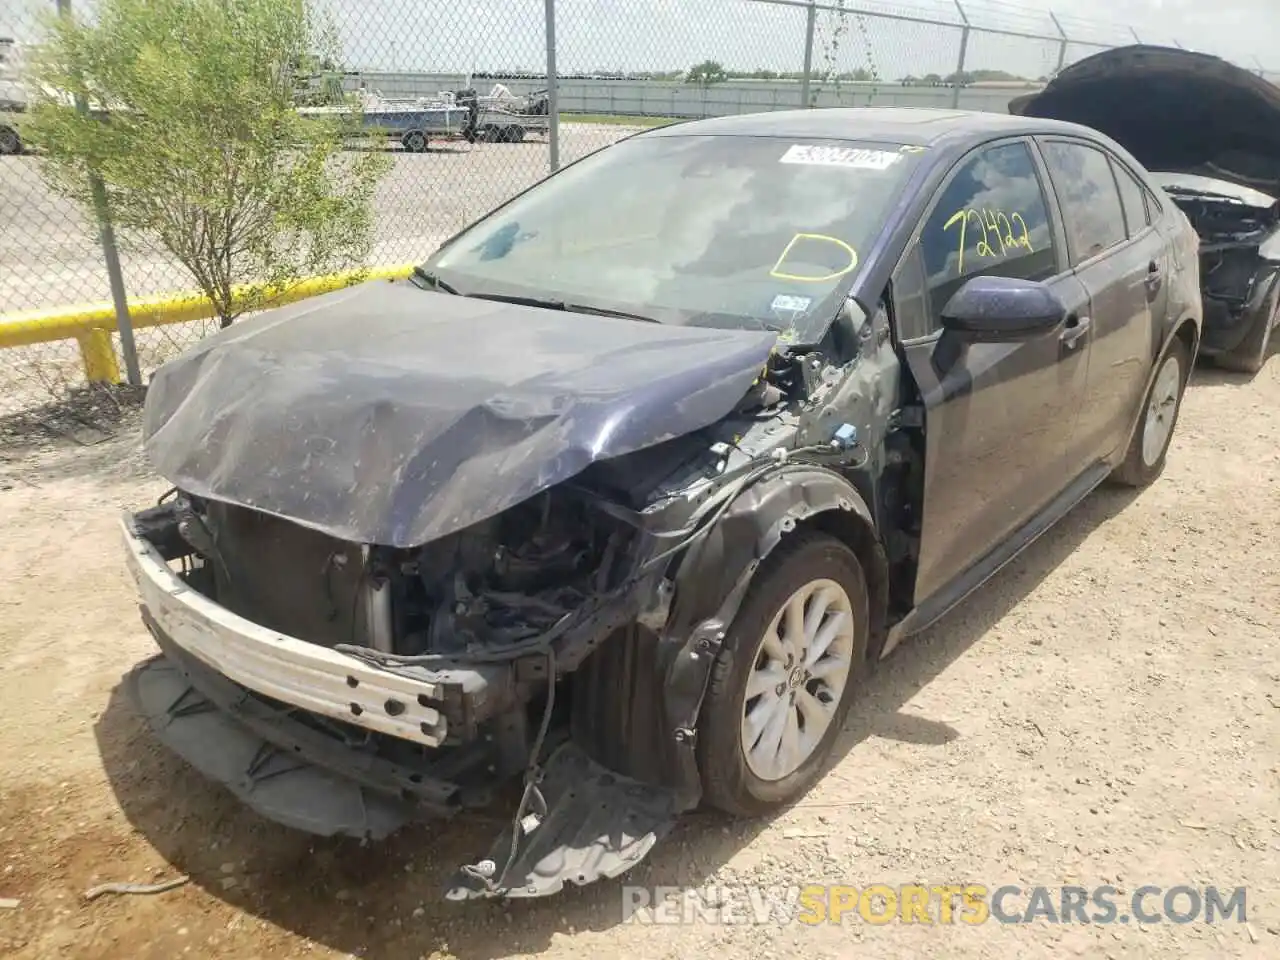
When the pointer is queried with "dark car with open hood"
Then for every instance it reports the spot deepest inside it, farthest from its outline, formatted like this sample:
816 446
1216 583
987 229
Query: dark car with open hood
1209 132
622 495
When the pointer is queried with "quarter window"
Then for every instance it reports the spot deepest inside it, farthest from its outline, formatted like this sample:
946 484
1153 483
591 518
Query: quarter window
1091 207
1133 199
911 298
1153 206
991 218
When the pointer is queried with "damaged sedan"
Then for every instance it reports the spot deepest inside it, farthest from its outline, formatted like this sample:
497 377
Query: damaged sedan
608 511
1219 162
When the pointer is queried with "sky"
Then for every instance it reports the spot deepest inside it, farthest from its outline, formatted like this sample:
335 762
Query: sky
595 35
659 35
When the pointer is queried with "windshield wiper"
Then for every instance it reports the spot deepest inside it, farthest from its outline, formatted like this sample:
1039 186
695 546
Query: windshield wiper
435 281
1196 192
550 304
546 303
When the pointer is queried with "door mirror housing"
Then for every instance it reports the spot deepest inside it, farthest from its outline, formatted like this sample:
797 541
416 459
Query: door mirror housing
990 309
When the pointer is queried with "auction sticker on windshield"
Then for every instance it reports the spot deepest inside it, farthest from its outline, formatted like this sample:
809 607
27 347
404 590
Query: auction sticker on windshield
858 157
785 303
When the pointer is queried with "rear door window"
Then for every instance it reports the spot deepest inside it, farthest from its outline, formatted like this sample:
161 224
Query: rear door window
1087 194
992 217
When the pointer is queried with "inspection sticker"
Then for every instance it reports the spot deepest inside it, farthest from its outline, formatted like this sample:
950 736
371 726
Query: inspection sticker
858 157
785 303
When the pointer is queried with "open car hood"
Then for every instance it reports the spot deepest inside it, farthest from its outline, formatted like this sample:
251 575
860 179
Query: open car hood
1174 110
388 414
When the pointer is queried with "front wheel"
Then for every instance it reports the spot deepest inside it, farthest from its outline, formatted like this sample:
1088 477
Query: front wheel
783 682
1145 458
9 141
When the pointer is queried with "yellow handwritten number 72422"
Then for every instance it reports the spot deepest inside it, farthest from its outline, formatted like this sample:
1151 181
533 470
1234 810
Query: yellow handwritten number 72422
990 222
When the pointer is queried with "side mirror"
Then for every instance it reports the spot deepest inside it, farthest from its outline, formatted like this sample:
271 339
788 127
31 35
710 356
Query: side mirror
990 309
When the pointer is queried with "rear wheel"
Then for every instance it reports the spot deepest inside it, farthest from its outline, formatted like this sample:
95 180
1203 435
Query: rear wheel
9 141
1252 353
1145 458
415 141
781 686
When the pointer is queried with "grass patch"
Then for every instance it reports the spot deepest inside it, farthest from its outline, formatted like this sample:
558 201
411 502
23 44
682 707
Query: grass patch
617 120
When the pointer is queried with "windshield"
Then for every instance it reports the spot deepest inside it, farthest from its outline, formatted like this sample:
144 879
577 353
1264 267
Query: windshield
709 230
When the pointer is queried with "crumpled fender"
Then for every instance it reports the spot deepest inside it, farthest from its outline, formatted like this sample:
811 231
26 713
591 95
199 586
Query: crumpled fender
713 579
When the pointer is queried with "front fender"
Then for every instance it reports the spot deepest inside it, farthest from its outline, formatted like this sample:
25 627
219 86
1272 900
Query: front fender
714 575
713 579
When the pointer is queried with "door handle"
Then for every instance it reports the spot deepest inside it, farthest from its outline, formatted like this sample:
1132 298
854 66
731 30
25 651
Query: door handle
1154 277
1077 327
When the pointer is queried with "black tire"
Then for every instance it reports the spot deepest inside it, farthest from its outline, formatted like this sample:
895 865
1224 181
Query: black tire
415 141
516 134
10 142
1138 470
1251 355
728 782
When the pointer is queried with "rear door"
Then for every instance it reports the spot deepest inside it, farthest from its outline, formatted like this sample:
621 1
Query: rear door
1121 260
998 416
1139 221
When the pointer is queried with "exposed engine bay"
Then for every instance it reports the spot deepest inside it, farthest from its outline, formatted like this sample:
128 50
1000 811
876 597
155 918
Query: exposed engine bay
506 579
1239 232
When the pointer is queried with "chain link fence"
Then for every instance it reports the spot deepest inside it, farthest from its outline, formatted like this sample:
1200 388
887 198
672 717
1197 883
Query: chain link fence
620 66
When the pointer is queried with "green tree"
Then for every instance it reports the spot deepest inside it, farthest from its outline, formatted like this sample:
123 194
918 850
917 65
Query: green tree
184 111
707 72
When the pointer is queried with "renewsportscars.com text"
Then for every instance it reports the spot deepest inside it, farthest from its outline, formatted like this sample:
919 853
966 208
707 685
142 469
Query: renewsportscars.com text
971 903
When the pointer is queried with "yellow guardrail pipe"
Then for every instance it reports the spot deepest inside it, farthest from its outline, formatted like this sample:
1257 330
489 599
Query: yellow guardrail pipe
91 325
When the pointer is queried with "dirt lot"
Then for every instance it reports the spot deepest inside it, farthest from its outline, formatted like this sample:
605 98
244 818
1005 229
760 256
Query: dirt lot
1105 711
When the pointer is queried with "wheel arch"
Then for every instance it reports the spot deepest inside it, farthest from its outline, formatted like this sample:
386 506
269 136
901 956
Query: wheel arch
1188 331
712 580
861 537
1185 332
642 692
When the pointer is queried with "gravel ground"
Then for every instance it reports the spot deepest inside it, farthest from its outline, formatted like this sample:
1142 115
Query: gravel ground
1105 711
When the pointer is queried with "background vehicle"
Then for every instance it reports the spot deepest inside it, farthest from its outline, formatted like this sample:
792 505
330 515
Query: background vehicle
412 121
635 479
506 118
1210 131
10 141
13 101
499 116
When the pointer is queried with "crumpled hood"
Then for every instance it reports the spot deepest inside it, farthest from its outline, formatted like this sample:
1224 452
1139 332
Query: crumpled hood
1174 110
389 414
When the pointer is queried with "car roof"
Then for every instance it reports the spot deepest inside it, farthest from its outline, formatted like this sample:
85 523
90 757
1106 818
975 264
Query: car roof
912 126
